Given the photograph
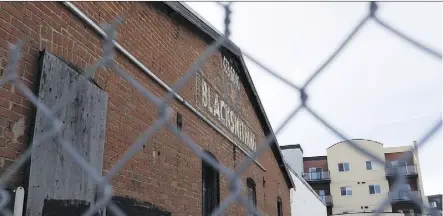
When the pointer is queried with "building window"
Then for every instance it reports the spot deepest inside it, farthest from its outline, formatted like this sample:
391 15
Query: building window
404 187
346 191
179 121
343 167
374 189
399 163
403 192
322 195
251 193
279 207
434 204
210 188
315 173
369 165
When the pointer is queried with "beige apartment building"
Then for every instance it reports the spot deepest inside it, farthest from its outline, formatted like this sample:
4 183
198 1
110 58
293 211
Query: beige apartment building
352 183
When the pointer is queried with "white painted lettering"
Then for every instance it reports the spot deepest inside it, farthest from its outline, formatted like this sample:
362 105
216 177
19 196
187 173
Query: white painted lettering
232 121
209 102
216 107
221 111
204 94
229 71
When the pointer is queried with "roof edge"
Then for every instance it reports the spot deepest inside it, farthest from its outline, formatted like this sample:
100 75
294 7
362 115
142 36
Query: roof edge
203 25
295 146
355 140
313 158
398 149
435 195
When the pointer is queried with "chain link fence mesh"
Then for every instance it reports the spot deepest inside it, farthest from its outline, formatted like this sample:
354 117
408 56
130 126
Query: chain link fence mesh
165 113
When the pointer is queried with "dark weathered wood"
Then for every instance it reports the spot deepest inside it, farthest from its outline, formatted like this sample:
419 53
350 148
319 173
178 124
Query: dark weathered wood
53 173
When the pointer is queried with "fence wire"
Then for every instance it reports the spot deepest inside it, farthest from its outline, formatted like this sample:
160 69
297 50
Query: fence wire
165 113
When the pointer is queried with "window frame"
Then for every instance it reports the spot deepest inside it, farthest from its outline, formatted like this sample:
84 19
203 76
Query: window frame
250 185
316 174
315 169
210 187
374 186
322 196
397 163
406 187
371 164
279 207
343 166
434 204
347 189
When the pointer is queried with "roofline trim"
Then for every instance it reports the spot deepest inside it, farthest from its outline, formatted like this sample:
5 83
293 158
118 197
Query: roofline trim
203 25
295 146
313 158
435 195
229 45
355 140
83 17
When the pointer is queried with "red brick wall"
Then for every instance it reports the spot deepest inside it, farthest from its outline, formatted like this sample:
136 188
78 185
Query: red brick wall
315 163
397 155
411 182
165 172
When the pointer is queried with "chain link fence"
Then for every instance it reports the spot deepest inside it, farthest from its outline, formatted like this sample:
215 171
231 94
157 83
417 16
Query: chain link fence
165 113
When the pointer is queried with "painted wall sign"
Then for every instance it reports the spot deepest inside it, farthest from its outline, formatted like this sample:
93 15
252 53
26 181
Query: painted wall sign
221 110
229 71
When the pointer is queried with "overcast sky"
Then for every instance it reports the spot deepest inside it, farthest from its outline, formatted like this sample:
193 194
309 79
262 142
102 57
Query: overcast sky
380 88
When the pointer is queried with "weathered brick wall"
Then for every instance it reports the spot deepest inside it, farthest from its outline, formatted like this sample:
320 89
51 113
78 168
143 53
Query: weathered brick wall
398 155
165 172
315 163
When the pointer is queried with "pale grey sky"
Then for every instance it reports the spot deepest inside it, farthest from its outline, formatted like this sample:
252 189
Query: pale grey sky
380 88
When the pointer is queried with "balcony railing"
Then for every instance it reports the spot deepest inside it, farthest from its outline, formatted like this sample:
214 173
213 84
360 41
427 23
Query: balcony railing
415 214
316 176
327 199
405 195
404 170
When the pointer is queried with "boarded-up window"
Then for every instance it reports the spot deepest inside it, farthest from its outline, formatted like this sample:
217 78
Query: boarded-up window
57 184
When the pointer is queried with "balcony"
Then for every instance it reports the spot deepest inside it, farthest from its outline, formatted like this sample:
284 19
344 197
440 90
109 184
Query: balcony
317 177
405 196
327 199
415 214
410 171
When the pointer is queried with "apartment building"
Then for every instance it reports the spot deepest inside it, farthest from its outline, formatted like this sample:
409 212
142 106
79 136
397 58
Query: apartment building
316 173
351 182
435 202
304 200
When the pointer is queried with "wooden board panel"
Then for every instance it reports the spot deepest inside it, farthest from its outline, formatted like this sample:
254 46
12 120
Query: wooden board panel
54 176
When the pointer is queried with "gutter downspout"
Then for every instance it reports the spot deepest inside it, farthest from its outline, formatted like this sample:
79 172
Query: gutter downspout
140 65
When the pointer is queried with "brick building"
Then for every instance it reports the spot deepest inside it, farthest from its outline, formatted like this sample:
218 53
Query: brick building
165 177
